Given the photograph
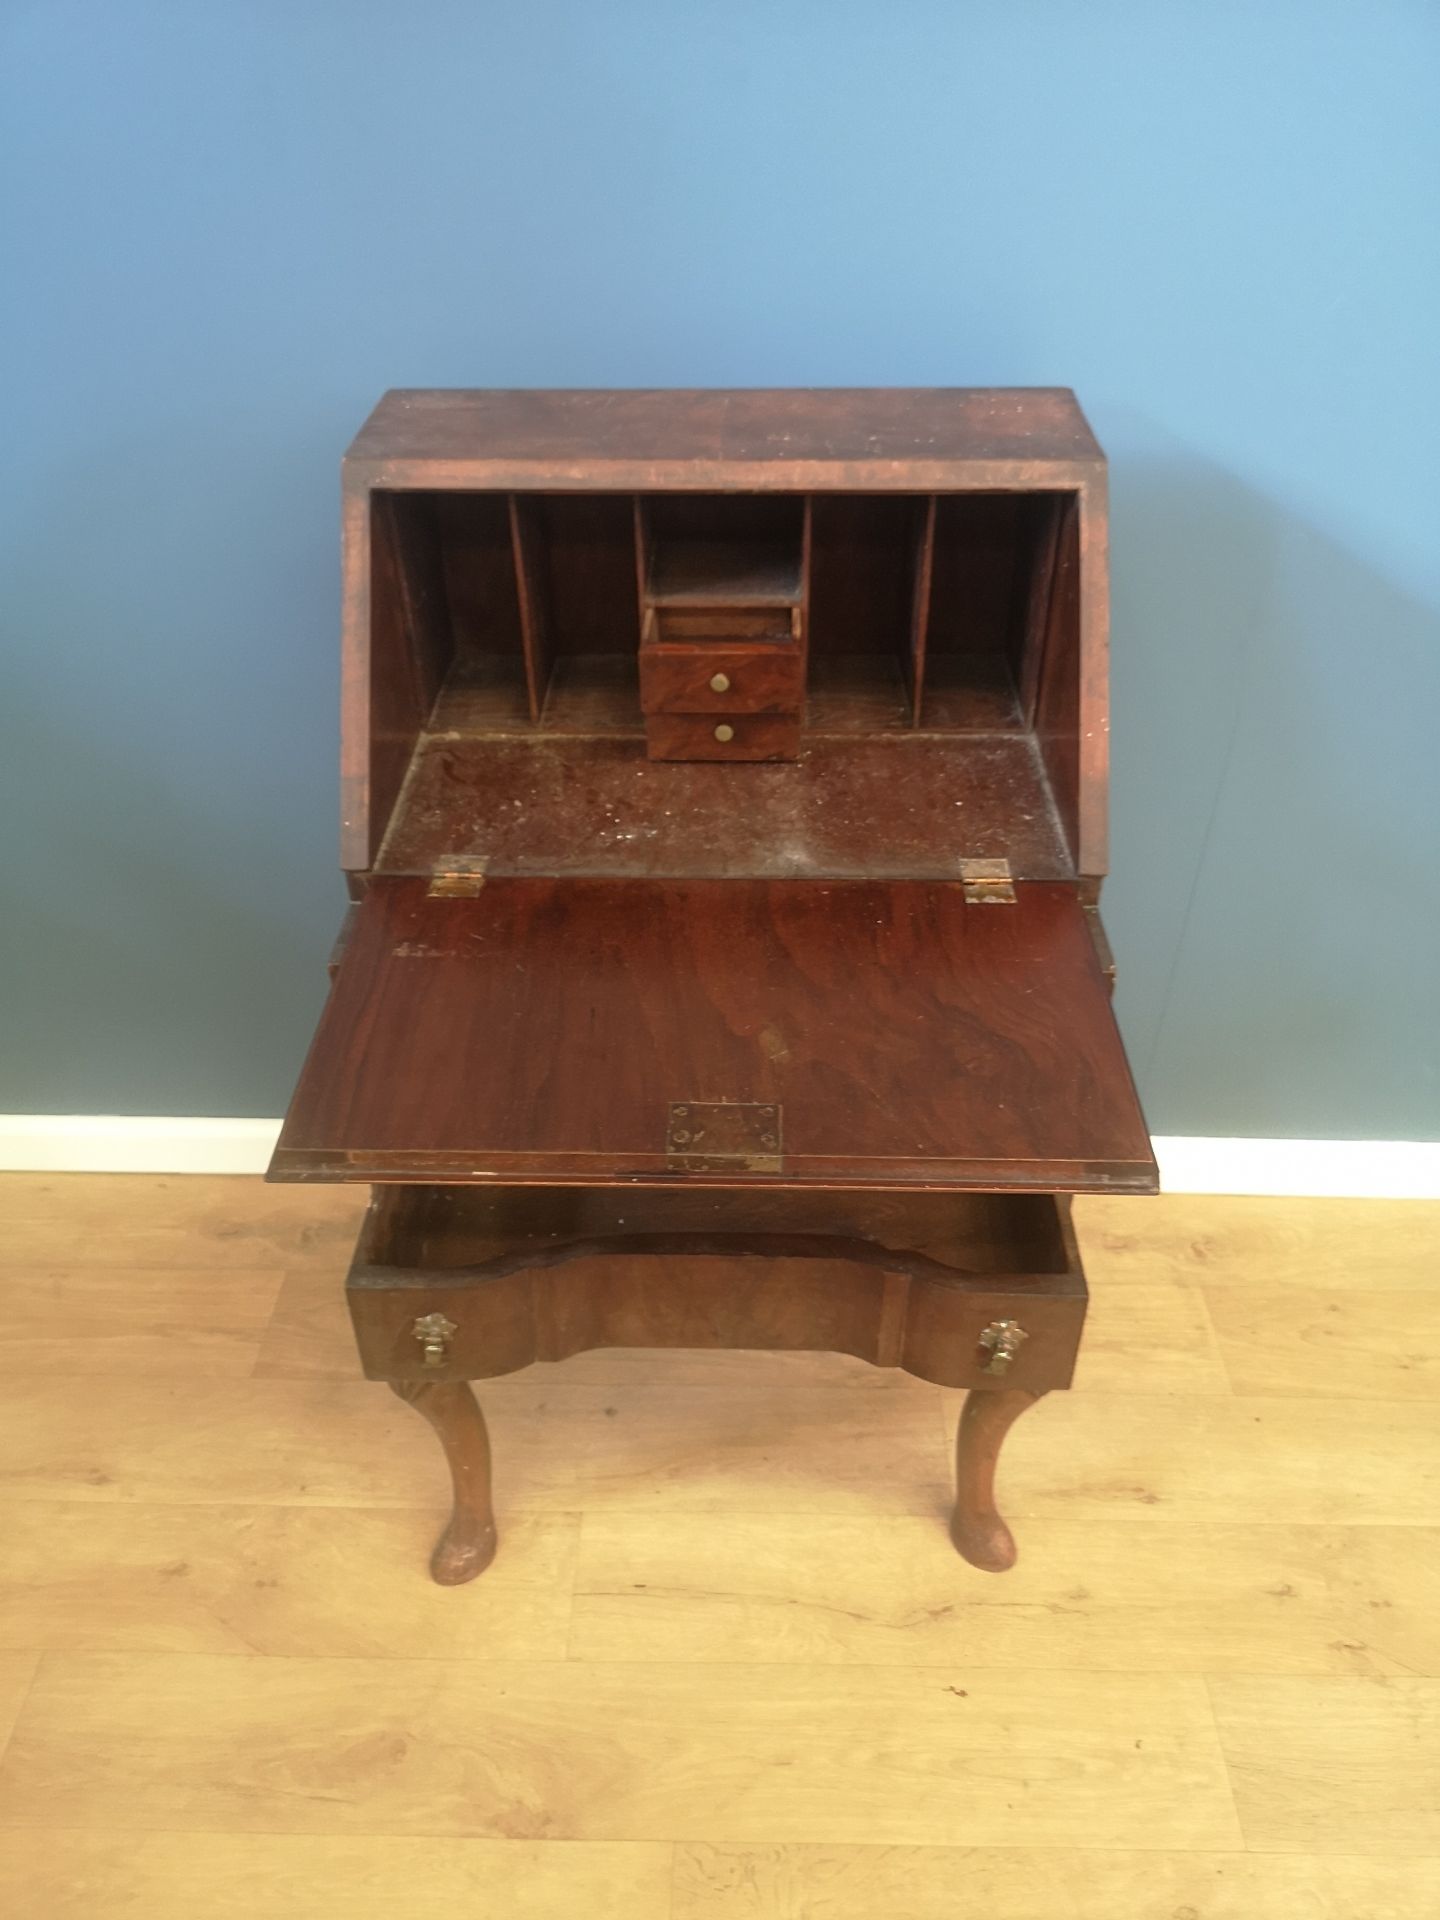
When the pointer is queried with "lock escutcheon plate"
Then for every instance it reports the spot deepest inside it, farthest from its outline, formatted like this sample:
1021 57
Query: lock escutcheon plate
723 1136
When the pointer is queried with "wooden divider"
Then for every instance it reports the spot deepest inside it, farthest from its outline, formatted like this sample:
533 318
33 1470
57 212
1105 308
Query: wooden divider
534 605
914 665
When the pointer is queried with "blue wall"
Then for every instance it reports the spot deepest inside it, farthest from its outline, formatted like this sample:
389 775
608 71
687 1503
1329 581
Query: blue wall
228 227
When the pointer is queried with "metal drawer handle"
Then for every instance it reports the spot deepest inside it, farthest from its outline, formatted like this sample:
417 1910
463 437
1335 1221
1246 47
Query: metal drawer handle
724 733
433 1331
1002 1340
719 683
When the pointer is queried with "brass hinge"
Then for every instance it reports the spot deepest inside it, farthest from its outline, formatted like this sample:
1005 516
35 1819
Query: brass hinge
457 876
987 882
722 1136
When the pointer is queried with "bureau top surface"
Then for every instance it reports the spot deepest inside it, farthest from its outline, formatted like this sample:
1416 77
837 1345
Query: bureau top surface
900 437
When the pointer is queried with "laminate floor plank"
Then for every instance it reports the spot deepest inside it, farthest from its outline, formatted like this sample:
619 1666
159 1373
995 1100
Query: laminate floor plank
1019 1883
1101 1595
1149 1337
743 1447
1248 1241
1347 1766
323 1442
1272 1461
119 1875
582 1751
175 1220
309 1335
17 1672
1332 1344
212 1442
273 1580
159 1320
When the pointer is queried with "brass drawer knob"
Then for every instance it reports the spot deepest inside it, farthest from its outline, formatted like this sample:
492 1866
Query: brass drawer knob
1002 1340
719 683
724 733
433 1331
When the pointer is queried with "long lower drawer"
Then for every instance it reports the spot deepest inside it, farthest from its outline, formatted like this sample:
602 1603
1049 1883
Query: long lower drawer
963 1289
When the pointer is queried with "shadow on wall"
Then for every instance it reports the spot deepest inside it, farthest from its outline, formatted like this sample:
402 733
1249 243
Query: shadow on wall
1277 797
167 740
134 924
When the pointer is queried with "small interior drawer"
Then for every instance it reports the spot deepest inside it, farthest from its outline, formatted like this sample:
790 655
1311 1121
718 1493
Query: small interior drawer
721 680
464 1283
722 736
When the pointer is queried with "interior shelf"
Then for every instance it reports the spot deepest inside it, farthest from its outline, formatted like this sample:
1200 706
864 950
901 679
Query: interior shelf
707 574
586 694
483 694
721 549
974 695
593 693
856 693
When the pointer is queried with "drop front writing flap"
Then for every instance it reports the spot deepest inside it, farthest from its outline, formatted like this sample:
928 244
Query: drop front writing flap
551 1029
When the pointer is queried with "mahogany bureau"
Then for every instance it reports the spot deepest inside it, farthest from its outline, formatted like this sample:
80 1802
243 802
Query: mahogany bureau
724 812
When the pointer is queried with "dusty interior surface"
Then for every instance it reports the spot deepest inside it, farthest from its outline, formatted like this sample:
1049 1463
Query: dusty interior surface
891 805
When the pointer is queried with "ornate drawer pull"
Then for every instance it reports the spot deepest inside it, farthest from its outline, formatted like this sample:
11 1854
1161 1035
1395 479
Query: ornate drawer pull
433 1331
1002 1340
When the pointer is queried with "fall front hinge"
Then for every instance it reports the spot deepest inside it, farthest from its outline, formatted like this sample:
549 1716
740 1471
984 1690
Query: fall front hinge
987 882
457 876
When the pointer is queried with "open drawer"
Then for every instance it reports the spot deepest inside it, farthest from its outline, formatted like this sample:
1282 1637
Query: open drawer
963 1289
741 1033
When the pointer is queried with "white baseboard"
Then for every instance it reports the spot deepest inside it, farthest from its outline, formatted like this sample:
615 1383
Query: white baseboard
108 1143
1317 1169
131 1143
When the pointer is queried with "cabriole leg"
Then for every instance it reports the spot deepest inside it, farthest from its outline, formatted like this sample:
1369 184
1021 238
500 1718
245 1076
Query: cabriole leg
980 1535
467 1546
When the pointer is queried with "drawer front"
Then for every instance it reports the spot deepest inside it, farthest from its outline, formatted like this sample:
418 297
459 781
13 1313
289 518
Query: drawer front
701 626
430 1298
980 1333
728 736
721 680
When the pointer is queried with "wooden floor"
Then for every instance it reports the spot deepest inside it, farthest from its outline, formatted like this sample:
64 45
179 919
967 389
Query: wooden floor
726 1664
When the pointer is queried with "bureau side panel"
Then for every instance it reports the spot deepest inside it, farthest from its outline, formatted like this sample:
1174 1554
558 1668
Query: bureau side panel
1072 719
396 647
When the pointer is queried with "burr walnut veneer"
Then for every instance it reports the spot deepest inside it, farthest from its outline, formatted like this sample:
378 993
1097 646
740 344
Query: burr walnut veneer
724 813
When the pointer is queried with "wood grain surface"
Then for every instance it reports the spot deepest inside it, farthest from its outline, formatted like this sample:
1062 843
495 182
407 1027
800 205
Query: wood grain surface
677 679
911 439
905 1034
